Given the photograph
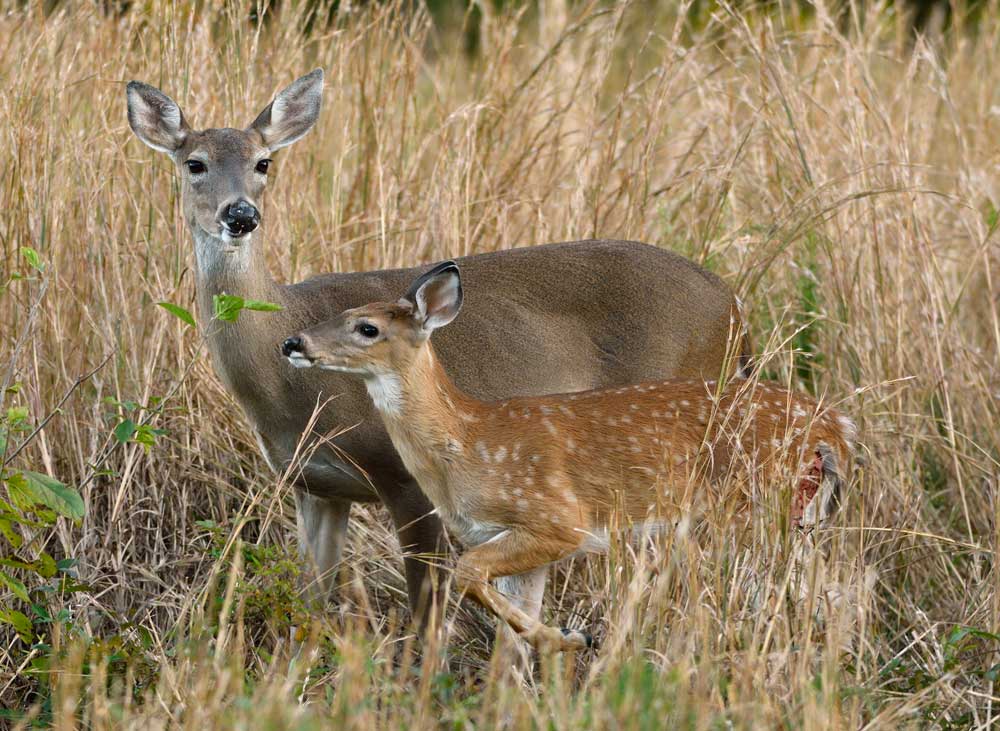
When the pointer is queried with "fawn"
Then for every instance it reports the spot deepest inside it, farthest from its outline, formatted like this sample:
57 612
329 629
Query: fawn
529 481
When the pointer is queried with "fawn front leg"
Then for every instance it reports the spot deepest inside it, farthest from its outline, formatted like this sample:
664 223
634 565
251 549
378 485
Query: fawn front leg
510 553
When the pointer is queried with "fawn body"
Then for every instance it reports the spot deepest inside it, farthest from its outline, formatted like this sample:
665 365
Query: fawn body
528 481
590 328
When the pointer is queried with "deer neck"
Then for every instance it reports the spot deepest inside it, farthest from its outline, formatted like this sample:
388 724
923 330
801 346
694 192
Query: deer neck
429 420
228 267
236 347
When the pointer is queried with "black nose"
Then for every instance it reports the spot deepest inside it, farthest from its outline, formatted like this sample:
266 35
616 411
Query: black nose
241 218
292 345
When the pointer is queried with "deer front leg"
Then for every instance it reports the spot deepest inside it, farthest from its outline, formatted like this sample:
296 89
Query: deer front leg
421 538
322 530
510 553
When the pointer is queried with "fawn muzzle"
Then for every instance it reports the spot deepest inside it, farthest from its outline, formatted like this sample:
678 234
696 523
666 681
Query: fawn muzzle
240 218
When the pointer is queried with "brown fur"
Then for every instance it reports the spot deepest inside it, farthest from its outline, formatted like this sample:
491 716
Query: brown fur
548 318
527 481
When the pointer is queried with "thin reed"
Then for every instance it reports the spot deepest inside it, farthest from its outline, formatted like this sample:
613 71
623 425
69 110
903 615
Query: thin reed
839 173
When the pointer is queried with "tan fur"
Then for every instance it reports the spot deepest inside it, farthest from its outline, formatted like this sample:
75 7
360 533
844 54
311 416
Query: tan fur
528 481
600 313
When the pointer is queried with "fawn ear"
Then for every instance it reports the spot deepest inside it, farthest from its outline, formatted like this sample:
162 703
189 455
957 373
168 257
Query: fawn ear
436 296
293 112
155 117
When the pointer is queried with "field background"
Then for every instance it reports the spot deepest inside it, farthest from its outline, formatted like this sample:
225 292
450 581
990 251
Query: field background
838 170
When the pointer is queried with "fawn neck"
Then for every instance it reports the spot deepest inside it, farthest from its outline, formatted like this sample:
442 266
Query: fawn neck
427 416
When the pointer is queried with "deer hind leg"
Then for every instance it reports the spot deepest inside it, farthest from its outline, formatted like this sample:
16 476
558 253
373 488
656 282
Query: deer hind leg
513 553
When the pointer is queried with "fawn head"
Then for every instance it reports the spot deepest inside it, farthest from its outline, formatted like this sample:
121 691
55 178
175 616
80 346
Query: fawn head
224 171
384 337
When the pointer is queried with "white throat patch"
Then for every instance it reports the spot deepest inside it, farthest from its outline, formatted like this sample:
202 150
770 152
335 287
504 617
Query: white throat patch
221 252
386 392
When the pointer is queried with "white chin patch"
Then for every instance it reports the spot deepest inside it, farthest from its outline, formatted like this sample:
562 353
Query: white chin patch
340 369
299 361
233 243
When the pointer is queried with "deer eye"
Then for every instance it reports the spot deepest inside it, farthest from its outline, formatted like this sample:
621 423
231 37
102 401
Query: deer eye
262 166
366 330
195 167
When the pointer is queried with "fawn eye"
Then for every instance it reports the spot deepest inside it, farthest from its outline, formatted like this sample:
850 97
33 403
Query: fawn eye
262 166
366 330
195 166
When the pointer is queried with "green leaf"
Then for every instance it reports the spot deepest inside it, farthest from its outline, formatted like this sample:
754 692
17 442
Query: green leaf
12 536
65 564
124 431
14 585
178 312
31 256
45 565
15 564
261 306
20 623
146 436
227 307
53 494
16 415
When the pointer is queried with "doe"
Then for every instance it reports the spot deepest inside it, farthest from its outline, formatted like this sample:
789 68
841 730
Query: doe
528 481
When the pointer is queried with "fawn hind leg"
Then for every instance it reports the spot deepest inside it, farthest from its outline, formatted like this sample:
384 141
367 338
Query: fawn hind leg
511 553
524 591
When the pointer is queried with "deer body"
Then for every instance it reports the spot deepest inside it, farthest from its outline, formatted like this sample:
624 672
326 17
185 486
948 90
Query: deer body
588 328
527 481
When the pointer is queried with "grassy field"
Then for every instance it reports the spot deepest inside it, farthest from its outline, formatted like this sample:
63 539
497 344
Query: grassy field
840 175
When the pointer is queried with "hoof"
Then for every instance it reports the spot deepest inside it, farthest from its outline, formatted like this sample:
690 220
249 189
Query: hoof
577 638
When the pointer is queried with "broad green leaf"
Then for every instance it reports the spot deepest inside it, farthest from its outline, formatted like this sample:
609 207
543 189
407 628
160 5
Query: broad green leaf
124 431
15 564
178 312
146 436
45 565
227 307
14 585
261 306
12 536
20 623
53 494
31 256
17 414
65 564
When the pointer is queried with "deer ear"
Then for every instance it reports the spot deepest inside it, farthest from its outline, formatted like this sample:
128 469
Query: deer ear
436 296
292 113
155 117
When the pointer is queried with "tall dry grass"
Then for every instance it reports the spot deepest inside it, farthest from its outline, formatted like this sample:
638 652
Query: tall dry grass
841 175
